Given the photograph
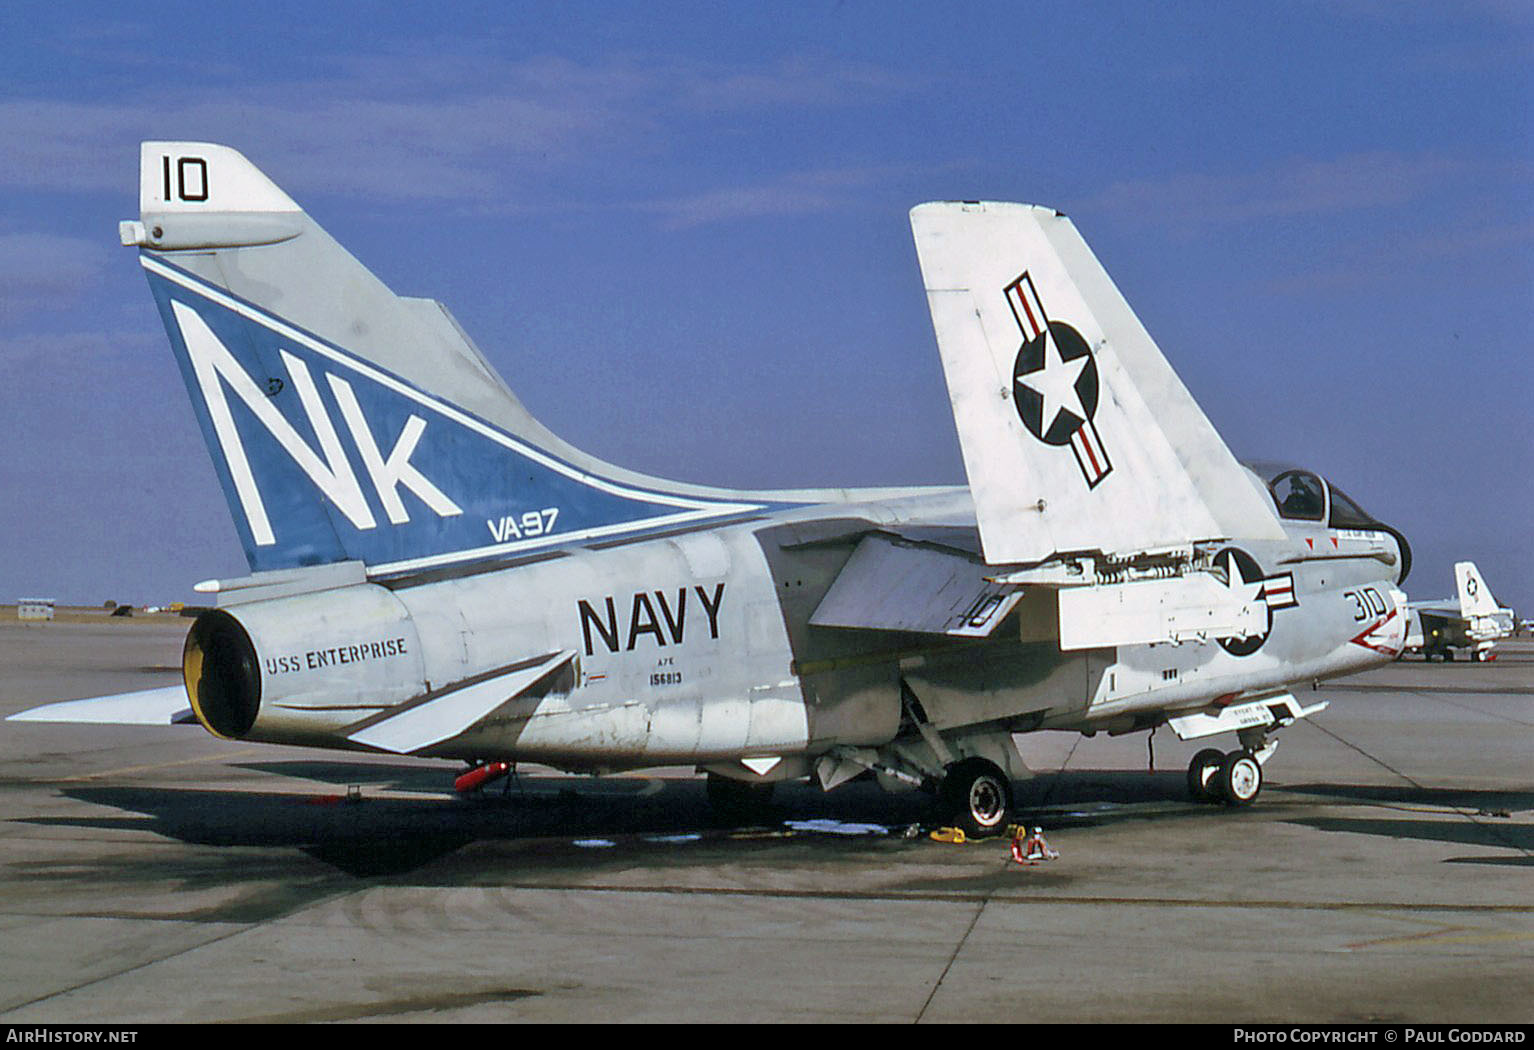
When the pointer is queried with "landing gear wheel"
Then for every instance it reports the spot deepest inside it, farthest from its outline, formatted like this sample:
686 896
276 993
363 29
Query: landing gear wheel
1239 779
736 801
977 796
1203 774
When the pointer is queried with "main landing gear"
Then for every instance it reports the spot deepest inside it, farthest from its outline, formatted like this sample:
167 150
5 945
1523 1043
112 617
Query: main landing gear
1234 778
977 796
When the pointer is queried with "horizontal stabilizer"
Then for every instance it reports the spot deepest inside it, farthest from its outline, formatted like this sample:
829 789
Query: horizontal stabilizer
446 713
149 707
895 585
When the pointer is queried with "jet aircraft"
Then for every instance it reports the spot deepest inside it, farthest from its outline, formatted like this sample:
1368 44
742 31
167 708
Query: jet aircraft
434 573
1473 620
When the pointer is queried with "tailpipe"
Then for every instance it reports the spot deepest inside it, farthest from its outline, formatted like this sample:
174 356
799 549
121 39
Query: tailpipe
222 675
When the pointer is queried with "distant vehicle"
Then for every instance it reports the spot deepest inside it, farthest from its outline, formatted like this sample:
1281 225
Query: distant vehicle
436 574
1473 621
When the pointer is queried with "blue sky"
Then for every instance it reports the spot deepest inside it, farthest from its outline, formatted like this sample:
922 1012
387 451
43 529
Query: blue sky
679 230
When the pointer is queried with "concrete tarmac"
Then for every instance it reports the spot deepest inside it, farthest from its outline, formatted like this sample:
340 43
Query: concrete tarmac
161 875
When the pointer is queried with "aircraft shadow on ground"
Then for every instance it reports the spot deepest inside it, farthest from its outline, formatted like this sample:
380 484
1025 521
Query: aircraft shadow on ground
392 835
1487 800
1500 835
1491 810
540 816
419 779
386 836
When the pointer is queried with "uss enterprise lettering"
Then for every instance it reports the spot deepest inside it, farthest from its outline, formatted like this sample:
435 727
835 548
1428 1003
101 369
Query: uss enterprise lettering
336 655
655 614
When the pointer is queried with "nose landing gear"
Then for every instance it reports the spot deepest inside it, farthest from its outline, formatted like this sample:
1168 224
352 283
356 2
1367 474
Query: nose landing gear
1234 778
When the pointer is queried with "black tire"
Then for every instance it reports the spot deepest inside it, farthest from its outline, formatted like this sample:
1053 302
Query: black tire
977 797
737 801
1203 775
1240 779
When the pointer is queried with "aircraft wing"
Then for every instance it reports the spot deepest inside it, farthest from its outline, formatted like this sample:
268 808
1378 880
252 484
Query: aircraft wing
897 584
148 707
1076 433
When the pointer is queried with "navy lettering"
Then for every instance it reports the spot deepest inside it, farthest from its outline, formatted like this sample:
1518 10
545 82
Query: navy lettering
608 630
711 608
674 626
642 601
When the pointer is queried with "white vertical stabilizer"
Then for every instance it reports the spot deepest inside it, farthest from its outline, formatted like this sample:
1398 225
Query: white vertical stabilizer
1077 435
1474 596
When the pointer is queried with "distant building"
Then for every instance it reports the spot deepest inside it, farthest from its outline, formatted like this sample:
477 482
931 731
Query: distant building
34 609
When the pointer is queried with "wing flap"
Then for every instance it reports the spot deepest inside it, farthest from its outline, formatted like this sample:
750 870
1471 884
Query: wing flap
897 585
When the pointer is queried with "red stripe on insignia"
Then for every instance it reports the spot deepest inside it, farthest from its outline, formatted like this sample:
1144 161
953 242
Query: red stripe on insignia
1278 591
1091 456
1031 318
1087 446
1029 311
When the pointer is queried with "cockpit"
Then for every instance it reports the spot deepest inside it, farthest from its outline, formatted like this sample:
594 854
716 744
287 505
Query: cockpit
1301 495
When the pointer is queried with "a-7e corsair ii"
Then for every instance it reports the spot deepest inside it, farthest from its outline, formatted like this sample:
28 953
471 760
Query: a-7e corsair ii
1473 620
435 574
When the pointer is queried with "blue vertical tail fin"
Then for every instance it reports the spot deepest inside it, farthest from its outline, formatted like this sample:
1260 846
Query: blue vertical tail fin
347 423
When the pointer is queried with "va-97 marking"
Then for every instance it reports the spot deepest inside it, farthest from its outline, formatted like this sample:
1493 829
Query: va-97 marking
533 523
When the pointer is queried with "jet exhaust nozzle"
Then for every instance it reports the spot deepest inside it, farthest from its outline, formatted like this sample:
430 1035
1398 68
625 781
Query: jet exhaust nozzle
222 675
302 669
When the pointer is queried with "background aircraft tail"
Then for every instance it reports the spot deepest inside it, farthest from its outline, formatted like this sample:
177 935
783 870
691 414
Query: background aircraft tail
1475 598
1077 435
348 423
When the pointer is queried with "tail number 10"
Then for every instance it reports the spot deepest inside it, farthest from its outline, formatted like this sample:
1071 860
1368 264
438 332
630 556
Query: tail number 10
190 180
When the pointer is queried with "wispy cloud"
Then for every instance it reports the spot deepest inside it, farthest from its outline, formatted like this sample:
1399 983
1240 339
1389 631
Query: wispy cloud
1388 256
1301 187
42 271
794 193
442 126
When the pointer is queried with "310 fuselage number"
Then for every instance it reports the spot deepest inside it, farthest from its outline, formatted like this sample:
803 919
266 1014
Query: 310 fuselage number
1366 603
